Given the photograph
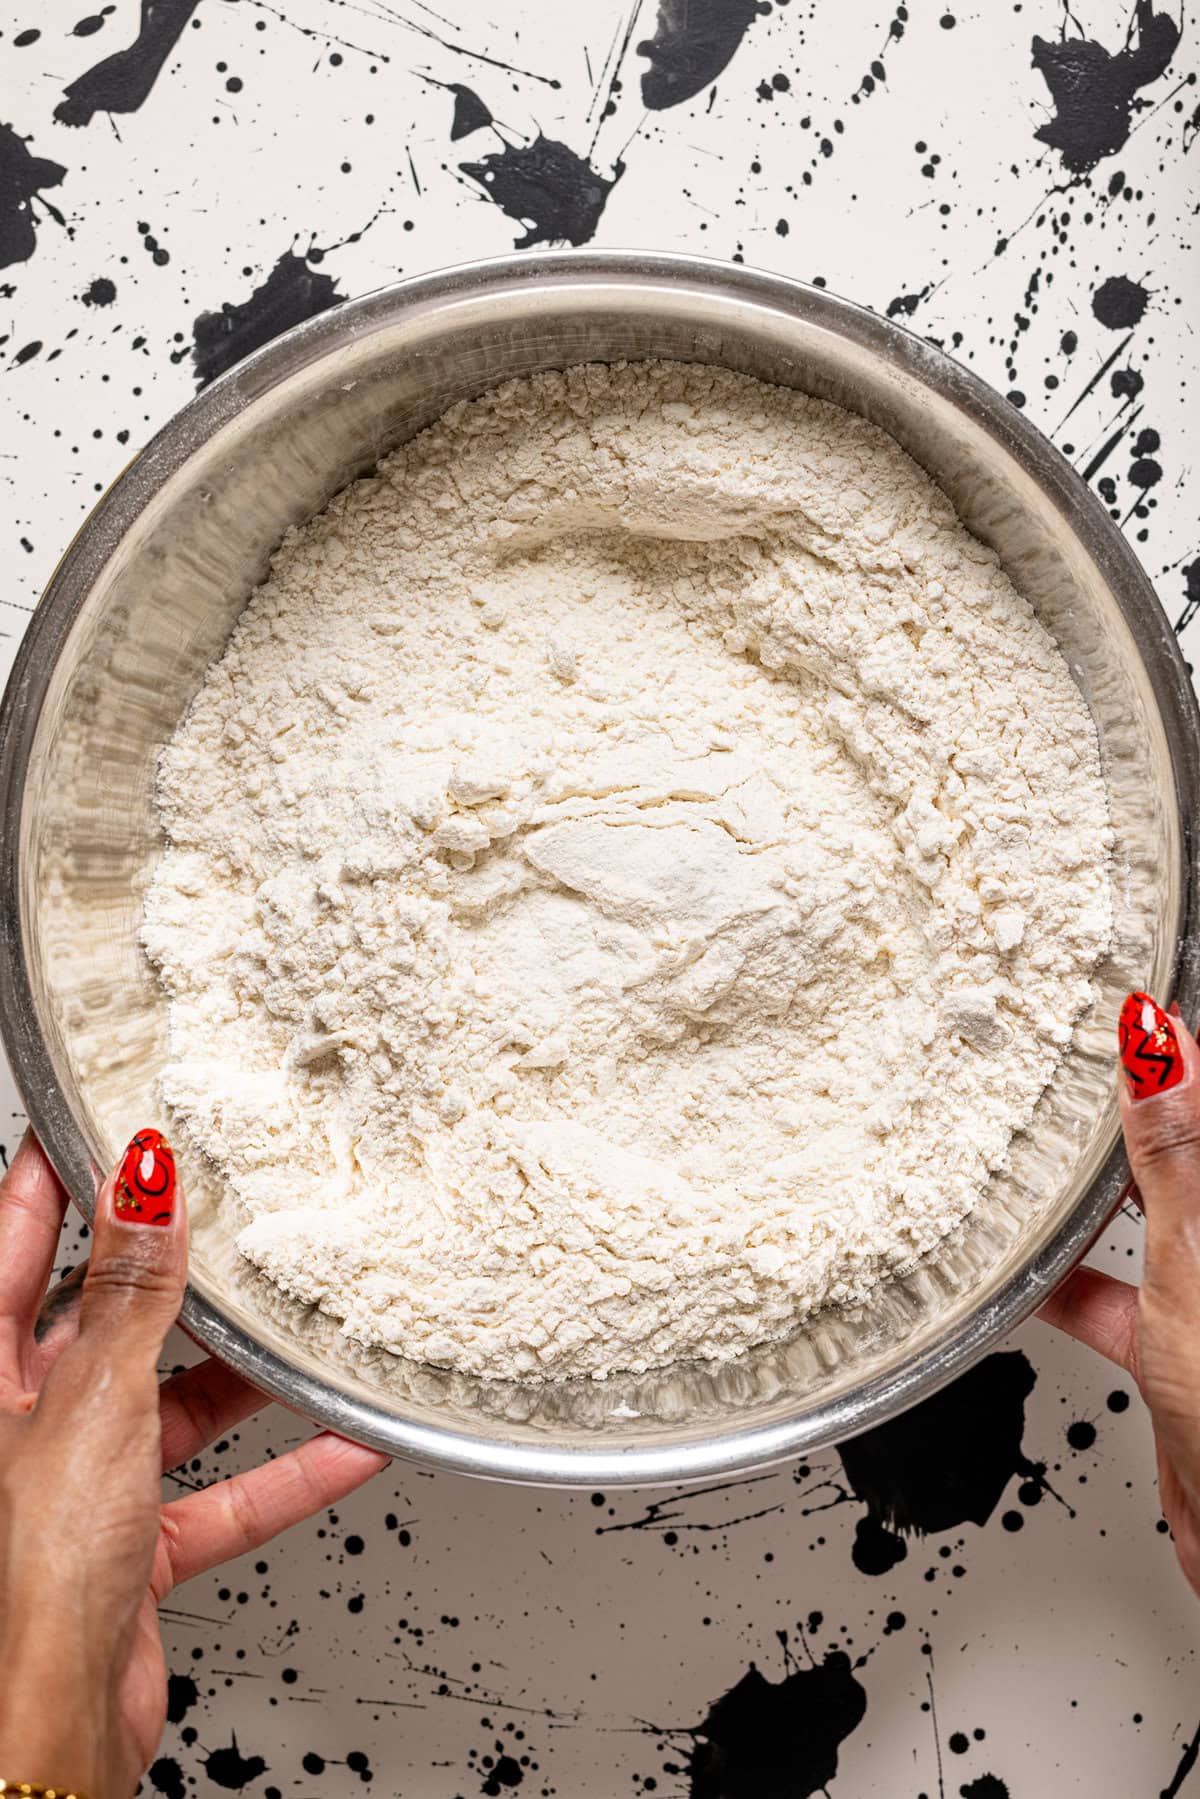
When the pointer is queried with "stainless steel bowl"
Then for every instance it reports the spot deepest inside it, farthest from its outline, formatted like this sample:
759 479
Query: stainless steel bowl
145 598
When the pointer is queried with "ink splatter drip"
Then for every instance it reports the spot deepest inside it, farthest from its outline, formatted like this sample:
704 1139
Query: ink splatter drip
122 82
182 1695
1095 91
23 179
1120 303
470 113
230 1769
1187 1762
292 292
777 1739
694 40
944 1463
100 292
554 193
166 1777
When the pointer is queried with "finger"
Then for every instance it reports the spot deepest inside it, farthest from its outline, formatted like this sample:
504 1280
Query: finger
135 1278
1100 1311
1160 1114
1130 1192
32 1204
102 1390
201 1404
240 1514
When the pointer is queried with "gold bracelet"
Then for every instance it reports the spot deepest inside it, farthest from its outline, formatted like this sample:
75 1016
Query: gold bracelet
33 1789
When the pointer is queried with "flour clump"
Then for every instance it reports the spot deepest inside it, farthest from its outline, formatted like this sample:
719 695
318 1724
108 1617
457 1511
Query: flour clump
633 868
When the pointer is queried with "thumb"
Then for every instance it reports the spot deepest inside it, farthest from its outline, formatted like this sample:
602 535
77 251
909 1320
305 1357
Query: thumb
138 1266
1160 1114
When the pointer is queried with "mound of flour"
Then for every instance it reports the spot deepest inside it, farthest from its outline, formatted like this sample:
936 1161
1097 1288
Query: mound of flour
634 867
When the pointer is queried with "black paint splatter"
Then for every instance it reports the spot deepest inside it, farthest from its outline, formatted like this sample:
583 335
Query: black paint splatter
777 1740
470 113
291 293
504 1774
182 1694
904 305
1119 303
945 1462
876 1550
1126 385
1144 471
457 48
1094 91
1191 606
22 177
166 1777
123 81
1186 1763
986 1787
154 250
557 195
100 292
693 41
231 1769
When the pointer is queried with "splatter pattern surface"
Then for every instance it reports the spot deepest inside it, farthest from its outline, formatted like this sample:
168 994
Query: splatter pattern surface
980 1600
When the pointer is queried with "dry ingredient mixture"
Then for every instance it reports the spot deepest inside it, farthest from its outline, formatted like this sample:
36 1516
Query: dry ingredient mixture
634 867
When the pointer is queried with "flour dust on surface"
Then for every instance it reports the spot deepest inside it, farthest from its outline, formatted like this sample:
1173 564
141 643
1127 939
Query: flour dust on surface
634 867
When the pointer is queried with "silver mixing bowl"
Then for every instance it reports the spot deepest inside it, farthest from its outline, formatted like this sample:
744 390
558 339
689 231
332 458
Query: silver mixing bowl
145 598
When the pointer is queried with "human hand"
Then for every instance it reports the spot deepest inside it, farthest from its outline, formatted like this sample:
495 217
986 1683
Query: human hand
1153 1331
87 1551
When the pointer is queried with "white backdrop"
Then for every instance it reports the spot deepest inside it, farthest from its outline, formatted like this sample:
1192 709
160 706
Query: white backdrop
251 162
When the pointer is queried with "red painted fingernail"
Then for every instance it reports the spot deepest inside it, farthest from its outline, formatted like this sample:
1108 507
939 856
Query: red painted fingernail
145 1189
1150 1051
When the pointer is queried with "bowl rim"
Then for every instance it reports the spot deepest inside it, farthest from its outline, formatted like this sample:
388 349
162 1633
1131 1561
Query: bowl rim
882 1396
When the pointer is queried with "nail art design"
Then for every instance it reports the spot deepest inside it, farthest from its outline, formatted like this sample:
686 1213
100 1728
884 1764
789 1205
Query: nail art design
145 1190
1150 1052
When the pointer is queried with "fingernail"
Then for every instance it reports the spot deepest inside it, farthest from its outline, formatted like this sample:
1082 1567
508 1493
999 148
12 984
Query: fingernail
1150 1052
145 1187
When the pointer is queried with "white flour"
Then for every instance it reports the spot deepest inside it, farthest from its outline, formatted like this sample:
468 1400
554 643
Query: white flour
634 867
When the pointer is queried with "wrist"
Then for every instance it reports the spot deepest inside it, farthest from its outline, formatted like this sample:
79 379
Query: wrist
70 1769
62 1759
54 1726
